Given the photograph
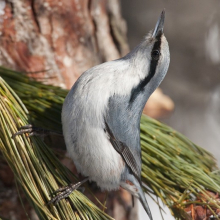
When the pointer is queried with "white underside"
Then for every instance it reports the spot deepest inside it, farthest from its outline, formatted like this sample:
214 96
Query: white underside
97 160
83 120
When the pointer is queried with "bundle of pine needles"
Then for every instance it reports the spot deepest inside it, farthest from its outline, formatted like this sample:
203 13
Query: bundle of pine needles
177 171
35 166
174 169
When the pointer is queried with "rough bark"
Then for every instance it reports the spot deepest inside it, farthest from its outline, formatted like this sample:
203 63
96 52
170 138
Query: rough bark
62 37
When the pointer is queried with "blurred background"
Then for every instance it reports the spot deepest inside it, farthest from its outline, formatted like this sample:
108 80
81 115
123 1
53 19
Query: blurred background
193 78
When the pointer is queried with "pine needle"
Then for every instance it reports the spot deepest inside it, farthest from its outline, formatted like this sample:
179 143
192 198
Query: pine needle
36 168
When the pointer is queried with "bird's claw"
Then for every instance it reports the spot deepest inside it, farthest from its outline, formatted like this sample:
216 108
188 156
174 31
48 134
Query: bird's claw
34 131
65 191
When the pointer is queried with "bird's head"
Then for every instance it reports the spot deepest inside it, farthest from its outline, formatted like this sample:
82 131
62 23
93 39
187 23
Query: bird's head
151 57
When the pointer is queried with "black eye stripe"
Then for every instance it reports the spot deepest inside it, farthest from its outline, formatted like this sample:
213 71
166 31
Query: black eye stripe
153 65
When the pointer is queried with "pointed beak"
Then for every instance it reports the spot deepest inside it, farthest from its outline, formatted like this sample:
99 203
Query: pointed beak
158 30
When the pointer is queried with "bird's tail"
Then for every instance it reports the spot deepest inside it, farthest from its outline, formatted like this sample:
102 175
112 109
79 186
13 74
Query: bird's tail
136 190
144 203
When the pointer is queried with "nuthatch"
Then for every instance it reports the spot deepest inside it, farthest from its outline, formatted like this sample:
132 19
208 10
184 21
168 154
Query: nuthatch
101 116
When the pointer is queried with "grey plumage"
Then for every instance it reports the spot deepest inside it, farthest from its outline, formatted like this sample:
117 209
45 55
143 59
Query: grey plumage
101 114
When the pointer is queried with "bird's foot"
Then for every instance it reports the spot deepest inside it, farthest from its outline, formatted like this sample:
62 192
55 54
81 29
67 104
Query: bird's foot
32 130
65 191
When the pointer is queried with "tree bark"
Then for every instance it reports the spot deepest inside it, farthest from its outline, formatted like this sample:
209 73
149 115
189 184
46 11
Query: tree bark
60 39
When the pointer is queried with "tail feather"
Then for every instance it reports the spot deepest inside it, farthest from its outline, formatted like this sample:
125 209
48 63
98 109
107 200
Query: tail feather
144 203
137 191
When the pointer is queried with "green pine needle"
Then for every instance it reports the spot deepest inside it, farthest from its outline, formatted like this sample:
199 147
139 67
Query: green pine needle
35 166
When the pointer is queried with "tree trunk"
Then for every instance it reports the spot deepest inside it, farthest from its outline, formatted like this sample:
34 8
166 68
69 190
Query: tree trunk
60 39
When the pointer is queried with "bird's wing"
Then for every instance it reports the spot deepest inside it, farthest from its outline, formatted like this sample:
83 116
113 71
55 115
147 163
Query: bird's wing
126 153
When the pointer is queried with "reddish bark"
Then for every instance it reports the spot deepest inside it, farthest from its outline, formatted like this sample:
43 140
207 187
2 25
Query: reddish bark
63 37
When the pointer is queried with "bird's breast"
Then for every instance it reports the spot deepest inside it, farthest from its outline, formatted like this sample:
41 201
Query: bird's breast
83 115
95 157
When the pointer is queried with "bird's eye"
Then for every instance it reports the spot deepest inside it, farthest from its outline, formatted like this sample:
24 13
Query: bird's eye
155 54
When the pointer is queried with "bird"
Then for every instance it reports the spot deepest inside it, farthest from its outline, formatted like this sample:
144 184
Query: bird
101 116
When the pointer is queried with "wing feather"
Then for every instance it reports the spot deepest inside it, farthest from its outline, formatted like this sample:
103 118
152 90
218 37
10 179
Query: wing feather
125 152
